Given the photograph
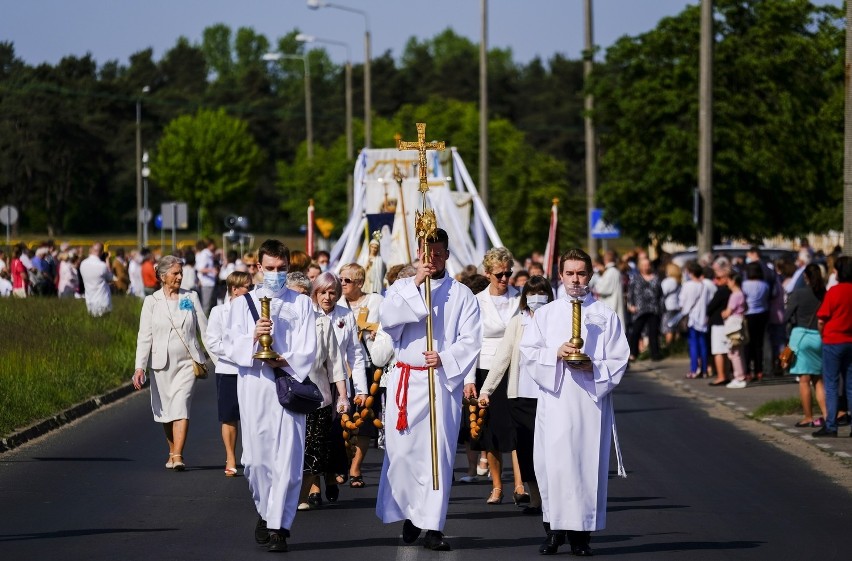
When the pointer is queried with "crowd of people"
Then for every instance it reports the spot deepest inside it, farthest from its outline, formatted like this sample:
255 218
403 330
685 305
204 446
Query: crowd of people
501 339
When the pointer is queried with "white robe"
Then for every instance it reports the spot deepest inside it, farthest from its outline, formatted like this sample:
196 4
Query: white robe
96 277
273 437
574 418
609 290
405 487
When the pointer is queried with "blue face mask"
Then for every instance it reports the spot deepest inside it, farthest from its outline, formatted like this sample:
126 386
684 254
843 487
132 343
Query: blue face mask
274 280
536 301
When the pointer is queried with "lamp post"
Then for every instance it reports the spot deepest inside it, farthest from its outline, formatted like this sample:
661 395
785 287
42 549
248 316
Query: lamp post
368 129
309 122
303 38
146 211
145 90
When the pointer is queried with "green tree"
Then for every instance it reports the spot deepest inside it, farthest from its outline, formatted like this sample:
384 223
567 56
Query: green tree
206 159
775 71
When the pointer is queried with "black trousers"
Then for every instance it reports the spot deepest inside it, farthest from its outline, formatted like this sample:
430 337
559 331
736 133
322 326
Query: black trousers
652 321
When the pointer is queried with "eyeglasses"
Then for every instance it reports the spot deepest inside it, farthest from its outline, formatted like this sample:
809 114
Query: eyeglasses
252 265
504 274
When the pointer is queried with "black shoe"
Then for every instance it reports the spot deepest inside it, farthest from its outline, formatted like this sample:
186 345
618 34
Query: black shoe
824 432
332 492
261 534
277 542
581 550
843 421
410 532
435 541
315 500
552 543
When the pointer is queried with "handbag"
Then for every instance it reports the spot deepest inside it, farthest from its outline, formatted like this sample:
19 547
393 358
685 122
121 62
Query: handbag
786 357
198 368
293 395
735 330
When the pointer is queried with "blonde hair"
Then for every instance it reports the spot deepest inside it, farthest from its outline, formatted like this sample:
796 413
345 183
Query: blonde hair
497 256
238 279
356 271
672 270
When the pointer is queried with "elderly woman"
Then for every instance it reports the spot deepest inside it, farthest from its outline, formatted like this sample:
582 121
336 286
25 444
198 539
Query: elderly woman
327 373
498 303
325 294
238 284
167 345
366 309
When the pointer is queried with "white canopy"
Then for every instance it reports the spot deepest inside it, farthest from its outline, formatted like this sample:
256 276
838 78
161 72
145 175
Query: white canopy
459 211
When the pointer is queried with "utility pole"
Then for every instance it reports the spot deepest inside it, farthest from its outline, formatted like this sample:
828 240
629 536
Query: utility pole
847 141
589 104
705 131
483 106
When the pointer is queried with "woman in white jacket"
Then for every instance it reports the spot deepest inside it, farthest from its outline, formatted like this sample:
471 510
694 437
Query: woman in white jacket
497 305
522 391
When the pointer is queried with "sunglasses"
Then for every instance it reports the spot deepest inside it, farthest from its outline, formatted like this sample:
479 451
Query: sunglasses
344 280
503 275
252 265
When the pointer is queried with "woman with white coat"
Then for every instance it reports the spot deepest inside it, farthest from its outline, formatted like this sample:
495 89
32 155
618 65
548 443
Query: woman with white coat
167 344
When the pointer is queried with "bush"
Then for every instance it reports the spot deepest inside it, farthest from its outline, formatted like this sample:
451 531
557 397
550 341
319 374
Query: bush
54 355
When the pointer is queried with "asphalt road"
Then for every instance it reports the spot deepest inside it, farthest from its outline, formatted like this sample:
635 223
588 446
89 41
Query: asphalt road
698 488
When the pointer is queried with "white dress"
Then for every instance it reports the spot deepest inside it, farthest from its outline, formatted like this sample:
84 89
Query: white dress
574 418
96 277
405 487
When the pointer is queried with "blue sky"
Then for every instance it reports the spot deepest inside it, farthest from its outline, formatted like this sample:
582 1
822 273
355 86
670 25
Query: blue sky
47 30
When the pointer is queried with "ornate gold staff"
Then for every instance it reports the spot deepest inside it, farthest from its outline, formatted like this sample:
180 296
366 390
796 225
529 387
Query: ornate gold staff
425 227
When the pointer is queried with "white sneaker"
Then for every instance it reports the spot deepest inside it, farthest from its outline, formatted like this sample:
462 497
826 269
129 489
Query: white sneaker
736 384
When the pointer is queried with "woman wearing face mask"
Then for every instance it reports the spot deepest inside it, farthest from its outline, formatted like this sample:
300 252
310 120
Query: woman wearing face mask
521 390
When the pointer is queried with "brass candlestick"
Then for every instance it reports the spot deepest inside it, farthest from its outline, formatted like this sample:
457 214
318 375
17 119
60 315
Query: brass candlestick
265 352
577 292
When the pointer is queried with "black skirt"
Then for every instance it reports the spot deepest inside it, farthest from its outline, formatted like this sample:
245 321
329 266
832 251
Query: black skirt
523 416
318 441
498 433
226 398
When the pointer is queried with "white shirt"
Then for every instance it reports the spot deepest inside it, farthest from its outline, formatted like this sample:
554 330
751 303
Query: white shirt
204 260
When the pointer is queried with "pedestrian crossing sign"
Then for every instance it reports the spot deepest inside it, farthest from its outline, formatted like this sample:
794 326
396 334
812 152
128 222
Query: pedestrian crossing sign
601 229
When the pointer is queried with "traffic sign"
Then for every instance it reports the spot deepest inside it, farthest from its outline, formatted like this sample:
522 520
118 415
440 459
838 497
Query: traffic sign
8 215
601 229
145 215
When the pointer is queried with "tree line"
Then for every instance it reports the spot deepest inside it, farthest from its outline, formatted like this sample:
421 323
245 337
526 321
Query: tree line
226 129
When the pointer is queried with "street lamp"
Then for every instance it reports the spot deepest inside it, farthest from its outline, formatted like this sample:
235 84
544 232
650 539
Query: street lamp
146 211
309 122
304 38
368 129
145 90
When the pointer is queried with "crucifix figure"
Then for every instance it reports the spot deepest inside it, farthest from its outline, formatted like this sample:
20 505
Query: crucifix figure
426 226
421 146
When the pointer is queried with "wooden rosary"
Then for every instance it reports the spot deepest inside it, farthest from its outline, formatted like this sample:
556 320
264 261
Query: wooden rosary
476 416
352 425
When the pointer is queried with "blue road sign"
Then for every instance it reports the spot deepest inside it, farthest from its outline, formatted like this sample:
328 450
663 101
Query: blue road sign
601 229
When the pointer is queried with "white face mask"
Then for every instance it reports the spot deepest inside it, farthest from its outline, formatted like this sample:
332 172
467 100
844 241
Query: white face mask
536 301
274 280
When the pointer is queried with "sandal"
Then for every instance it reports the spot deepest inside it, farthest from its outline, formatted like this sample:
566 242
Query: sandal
178 465
356 482
520 498
230 472
171 464
480 469
496 496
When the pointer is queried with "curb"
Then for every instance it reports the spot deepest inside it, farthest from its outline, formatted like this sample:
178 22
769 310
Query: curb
73 413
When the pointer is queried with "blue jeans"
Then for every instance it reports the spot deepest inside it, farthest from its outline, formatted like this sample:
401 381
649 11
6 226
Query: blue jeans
697 341
836 365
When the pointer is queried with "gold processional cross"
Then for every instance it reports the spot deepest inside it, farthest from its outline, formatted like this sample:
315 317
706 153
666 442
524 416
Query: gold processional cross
426 226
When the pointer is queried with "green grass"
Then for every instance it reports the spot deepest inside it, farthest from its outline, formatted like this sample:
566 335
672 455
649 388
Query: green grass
779 407
53 355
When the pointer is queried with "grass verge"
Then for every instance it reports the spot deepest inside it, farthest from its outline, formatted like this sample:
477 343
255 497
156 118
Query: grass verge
780 407
54 355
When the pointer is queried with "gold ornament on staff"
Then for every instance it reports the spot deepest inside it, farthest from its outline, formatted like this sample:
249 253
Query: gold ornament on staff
426 227
577 292
265 352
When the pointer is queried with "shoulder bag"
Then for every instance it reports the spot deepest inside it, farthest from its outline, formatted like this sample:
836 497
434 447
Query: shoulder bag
293 395
198 368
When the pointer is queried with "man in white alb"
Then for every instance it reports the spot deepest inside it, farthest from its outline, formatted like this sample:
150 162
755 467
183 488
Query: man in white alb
405 488
574 418
205 268
96 277
273 437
